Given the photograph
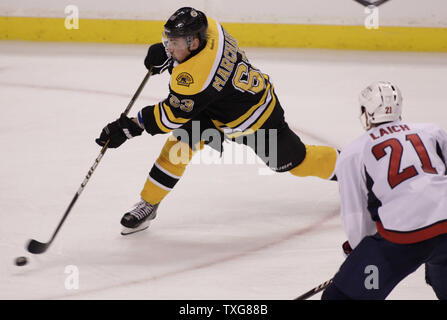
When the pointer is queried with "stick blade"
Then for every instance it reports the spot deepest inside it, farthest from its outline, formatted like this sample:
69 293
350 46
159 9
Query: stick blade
36 247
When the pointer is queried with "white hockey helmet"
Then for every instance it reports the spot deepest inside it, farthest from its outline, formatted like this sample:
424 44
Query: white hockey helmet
380 102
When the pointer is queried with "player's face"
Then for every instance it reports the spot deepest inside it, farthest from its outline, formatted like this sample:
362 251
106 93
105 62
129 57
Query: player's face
178 48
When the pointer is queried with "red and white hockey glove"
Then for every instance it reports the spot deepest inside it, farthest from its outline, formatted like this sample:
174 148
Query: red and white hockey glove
346 248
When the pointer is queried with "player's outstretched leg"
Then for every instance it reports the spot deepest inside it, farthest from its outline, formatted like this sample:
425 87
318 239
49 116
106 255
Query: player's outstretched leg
164 175
283 151
318 162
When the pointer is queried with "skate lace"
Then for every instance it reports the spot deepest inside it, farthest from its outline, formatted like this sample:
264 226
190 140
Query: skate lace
142 210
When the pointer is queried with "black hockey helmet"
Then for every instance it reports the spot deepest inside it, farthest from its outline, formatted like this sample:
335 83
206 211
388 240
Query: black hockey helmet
187 22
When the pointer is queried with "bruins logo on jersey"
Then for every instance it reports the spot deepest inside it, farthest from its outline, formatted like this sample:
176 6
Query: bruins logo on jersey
184 79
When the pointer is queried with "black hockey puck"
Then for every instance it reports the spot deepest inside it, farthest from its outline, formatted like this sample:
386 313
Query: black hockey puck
21 261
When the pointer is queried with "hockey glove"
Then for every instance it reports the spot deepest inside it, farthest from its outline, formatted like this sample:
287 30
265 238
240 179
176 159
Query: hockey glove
118 132
346 248
157 58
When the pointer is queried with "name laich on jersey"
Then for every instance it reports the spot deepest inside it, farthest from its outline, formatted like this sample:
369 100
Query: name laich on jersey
390 130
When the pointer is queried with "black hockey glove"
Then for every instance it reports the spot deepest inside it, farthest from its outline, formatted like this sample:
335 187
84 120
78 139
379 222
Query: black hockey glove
157 58
118 132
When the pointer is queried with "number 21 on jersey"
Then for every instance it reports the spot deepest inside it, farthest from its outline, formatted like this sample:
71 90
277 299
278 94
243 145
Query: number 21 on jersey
395 175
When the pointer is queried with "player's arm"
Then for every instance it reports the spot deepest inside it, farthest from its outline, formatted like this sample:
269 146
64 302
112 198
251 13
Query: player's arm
164 117
174 111
356 219
157 60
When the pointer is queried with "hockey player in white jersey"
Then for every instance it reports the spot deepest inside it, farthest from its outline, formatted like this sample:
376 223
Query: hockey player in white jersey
393 192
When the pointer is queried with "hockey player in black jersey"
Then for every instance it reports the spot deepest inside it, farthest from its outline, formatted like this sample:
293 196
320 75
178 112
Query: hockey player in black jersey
212 86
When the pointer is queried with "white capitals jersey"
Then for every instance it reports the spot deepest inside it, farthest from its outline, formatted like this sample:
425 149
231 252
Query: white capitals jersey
393 181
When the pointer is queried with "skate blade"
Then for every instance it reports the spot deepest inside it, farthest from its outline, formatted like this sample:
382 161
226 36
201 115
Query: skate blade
127 231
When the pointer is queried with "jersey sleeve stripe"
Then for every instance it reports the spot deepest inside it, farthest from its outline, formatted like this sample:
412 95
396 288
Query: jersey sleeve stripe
218 124
171 116
158 119
140 120
165 121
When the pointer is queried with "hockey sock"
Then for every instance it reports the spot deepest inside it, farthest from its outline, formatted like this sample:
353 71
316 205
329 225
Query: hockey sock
167 169
319 162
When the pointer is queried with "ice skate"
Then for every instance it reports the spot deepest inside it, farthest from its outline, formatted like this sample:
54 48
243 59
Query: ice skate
138 219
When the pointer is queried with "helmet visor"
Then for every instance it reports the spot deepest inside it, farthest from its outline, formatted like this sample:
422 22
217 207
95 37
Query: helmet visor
171 43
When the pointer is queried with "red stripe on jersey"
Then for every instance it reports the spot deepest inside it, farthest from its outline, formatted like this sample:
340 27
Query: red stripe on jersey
412 236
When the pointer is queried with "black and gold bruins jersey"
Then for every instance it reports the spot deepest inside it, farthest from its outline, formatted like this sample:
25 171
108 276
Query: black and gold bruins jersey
219 81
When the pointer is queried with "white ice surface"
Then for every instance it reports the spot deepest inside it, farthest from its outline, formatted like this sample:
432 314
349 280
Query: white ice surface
225 232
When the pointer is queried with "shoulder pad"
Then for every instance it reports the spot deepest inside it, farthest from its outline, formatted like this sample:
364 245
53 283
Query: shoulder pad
194 75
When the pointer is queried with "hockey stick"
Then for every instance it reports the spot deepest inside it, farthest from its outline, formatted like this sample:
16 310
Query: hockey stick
37 247
314 291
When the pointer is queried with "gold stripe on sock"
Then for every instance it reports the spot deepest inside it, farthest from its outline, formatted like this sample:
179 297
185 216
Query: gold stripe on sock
153 193
174 157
